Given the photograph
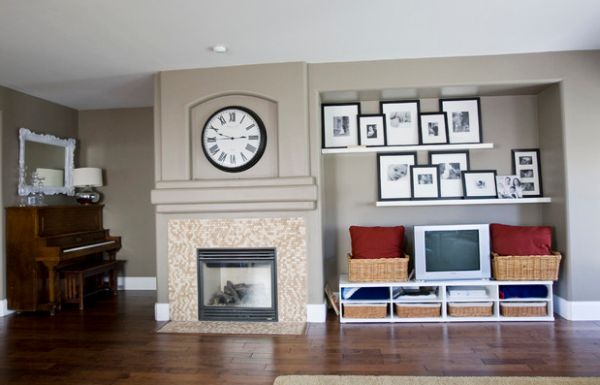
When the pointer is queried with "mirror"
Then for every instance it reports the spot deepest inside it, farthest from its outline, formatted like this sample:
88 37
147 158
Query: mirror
50 159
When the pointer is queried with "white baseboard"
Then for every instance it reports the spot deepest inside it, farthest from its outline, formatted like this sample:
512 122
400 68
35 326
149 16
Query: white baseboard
577 310
4 308
161 312
136 283
316 312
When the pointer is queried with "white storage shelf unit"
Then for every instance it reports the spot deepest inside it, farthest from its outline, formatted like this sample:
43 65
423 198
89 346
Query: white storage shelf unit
441 297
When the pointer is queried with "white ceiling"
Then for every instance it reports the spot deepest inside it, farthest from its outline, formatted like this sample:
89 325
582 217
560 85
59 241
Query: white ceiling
91 54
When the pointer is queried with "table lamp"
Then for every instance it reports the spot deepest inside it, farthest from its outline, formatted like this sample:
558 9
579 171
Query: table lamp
86 178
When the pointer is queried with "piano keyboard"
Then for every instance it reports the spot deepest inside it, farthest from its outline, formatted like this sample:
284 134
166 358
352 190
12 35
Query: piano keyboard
72 249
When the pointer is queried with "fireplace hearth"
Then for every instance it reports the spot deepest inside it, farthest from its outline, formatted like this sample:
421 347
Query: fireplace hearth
237 284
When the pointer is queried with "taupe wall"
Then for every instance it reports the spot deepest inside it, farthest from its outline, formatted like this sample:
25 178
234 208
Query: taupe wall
553 173
40 116
21 110
121 142
350 181
579 75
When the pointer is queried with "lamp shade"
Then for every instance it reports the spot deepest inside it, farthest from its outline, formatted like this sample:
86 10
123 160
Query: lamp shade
51 177
87 176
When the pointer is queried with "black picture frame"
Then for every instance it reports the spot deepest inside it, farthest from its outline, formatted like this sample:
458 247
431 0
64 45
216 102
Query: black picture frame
416 190
363 135
451 187
327 126
535 167
442 117
459 130
401 129
386 190
471 187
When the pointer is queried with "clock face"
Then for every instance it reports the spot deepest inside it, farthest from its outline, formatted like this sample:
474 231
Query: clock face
234 139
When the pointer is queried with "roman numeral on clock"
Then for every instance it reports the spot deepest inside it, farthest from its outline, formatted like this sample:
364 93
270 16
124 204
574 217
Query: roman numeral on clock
222 157
211 140
253 137
214 149
244 159
250 126
232 158
243 117
232 116
222 120
250 148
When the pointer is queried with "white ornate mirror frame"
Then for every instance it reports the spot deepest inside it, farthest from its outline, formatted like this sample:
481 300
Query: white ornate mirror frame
25 135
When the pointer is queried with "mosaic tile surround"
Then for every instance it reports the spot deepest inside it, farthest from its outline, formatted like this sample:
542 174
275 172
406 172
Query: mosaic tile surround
286 235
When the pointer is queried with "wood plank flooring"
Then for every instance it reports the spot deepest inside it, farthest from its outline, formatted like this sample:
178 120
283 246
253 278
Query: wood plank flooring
114 342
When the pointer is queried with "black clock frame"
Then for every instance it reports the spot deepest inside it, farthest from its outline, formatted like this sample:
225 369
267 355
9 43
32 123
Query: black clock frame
261 147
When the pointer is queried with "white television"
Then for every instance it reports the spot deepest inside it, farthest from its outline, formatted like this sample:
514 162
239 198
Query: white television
451 252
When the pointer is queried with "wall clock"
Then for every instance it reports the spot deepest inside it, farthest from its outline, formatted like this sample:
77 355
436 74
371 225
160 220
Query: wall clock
234 139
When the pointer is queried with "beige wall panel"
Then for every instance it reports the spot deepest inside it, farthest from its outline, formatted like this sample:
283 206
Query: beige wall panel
120 141
283 83
266 167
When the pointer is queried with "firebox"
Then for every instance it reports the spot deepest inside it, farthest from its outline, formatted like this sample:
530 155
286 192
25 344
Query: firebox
237 284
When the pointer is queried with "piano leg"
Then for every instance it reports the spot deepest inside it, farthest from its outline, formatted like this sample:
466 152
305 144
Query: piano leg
53 290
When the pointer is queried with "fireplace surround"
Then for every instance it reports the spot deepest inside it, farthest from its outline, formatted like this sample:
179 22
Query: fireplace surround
287 235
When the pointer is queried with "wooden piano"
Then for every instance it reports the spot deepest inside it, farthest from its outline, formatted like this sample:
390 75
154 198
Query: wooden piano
41 240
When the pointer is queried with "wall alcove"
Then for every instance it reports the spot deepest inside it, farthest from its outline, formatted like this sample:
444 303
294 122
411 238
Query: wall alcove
524 115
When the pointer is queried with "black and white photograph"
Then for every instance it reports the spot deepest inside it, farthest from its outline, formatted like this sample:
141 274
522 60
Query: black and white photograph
434 128
526 173
425 182
450 164
525 160
479 184
509 187
340 125
464 120
371 130
526 164
402 122
393 173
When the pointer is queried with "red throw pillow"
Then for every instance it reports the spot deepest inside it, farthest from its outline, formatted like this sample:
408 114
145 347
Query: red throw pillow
377 242
521 240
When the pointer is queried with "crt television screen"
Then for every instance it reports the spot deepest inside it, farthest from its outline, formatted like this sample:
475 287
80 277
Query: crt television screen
452 250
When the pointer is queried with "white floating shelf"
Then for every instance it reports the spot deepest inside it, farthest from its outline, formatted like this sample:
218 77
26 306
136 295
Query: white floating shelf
427 147
463 202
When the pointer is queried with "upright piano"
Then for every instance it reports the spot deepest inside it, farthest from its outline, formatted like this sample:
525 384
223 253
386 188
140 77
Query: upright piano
41 240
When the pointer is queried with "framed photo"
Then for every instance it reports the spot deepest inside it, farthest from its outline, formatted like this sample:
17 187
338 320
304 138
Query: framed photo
401 122
434 128
526 165
464 120
371 130
509 187
450 164
425 182
479 184
393 173
339 124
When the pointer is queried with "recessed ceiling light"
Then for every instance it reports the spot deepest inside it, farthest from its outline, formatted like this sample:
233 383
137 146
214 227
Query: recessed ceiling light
219 48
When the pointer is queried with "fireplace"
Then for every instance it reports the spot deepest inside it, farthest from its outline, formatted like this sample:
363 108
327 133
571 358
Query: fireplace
237 284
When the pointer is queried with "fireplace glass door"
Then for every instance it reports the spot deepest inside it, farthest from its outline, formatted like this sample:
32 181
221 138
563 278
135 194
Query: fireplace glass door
237 284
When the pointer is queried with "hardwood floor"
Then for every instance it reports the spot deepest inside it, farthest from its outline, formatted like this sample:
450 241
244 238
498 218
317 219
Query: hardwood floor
114 342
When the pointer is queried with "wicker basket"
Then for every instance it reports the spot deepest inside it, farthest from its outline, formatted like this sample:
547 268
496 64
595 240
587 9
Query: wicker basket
468 309
378 270
418 310
378 310
526 268
524 309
